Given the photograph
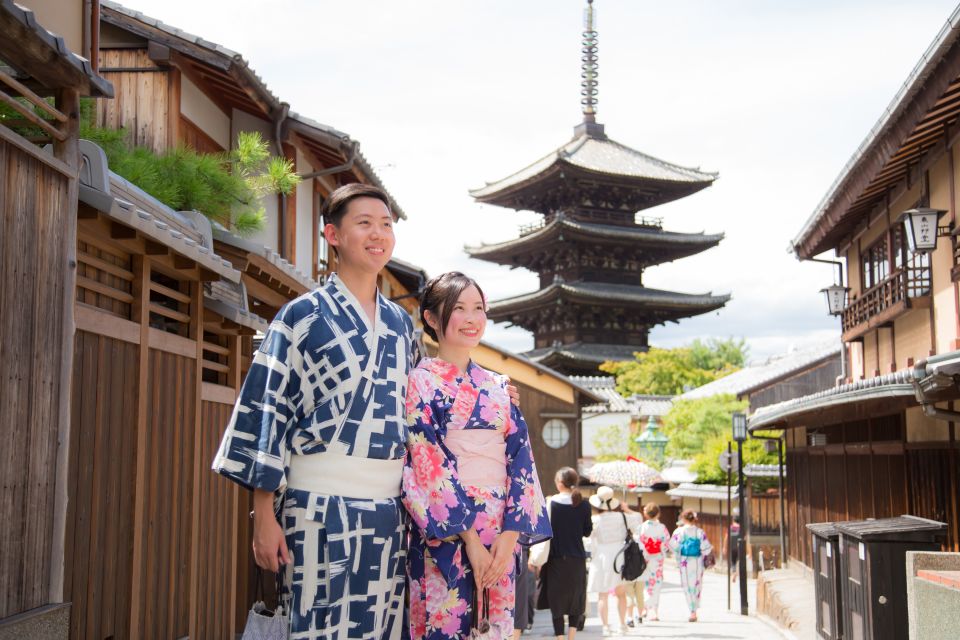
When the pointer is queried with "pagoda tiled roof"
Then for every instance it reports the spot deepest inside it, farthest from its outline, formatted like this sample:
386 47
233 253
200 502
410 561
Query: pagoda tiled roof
608 294
584 353
598 154
671 242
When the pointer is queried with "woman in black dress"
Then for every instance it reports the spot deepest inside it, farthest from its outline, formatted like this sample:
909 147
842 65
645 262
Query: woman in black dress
564 576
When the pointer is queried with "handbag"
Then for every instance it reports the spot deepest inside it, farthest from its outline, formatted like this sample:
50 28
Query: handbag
480 625
262 623
634 563
709 560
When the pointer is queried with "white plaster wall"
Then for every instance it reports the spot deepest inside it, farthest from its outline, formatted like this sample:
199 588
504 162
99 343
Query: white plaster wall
201 111
593 424
305 230
243 121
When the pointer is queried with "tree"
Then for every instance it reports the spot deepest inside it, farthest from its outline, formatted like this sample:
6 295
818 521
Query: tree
669 371
691 424
612 442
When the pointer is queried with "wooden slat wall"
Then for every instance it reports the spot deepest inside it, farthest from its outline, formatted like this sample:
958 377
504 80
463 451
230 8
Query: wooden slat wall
533 403
858 482
169 457
220 513
141 100
35 215
100 511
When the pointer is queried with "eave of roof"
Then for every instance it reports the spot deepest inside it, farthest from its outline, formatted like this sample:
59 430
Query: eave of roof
225 59
17 23
638 236
611 294
584 353
916 97
704 491
271 256
589 394
603 157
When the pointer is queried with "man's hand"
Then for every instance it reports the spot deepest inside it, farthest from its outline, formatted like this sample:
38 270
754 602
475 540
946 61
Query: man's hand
269 543
502 556
513 393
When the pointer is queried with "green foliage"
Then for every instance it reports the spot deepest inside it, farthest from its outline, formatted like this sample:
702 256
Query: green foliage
690 424
669 371
612 442
700 429
226 187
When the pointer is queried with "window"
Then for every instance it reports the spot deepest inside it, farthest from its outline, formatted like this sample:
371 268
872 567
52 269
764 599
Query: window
555 433
874 263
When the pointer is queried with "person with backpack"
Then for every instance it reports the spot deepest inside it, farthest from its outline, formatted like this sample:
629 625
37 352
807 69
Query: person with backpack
610 528
654 539
690 544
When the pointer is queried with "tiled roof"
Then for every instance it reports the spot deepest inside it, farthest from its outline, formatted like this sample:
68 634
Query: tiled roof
221 234
601 155
585 352
638 235
605 387
705 491
24 19
608 292
757 375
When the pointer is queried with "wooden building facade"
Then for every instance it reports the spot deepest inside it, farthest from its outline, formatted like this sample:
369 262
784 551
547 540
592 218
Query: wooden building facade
884 442
129 327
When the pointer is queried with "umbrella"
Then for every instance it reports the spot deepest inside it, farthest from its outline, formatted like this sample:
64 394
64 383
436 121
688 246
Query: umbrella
623 473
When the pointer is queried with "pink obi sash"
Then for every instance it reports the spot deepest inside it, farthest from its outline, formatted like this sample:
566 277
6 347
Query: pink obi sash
481 456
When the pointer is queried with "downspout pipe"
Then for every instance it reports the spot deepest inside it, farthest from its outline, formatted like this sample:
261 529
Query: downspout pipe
278 123
843 346
346 166
783 537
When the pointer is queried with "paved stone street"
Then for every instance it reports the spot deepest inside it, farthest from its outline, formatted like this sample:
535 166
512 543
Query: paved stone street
715 621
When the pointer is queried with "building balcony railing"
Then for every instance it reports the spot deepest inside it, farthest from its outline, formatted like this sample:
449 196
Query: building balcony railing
890 298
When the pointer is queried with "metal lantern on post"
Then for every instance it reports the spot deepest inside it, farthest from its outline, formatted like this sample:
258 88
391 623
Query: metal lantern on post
739 436
836 298
653 444
920 225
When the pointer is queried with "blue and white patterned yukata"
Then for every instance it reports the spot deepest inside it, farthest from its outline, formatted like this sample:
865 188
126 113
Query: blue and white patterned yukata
312 394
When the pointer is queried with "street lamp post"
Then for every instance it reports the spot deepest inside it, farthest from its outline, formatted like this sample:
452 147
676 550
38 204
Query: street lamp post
653 444
740 435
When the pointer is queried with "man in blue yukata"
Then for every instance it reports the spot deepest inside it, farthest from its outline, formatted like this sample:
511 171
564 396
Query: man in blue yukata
318 434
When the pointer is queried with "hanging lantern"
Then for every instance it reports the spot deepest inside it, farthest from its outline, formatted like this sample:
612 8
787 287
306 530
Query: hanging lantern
921 227
653 444
836 298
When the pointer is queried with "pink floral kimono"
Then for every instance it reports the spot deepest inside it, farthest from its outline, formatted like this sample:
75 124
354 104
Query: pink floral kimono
469 464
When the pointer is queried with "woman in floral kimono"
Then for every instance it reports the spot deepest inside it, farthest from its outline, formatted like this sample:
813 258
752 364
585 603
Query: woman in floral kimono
690 544
654 540
469 483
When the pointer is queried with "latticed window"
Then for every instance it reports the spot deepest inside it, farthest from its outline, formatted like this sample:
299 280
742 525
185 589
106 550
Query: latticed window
875 263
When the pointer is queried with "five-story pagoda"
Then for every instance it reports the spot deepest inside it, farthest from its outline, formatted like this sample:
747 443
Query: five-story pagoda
592 247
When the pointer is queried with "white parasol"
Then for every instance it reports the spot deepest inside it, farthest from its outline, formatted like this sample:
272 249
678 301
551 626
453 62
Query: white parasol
623 473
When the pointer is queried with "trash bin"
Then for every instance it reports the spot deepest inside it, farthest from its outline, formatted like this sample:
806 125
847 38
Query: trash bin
826 579
874 575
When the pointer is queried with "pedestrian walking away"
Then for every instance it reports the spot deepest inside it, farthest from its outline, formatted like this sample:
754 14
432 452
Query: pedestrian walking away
562 561
610 526
654 540
690 544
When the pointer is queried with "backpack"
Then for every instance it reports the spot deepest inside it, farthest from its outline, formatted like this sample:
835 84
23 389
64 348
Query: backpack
690 547
634 563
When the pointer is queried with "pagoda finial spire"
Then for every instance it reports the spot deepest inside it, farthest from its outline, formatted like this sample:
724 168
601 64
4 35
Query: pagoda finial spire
588 76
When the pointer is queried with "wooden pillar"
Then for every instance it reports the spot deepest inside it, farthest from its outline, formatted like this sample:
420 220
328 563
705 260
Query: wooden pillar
195 332
68 103
173 107
140 313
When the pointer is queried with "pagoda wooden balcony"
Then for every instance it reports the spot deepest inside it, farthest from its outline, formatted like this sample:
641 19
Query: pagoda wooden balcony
884 302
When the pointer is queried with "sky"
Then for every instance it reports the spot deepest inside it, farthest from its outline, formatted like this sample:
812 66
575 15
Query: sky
446 95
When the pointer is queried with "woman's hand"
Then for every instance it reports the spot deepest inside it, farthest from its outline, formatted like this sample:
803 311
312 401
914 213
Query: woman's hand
478 556
501 556
269 543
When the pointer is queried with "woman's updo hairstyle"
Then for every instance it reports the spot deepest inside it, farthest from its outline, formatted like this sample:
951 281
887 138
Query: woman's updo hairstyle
568 478
439 296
